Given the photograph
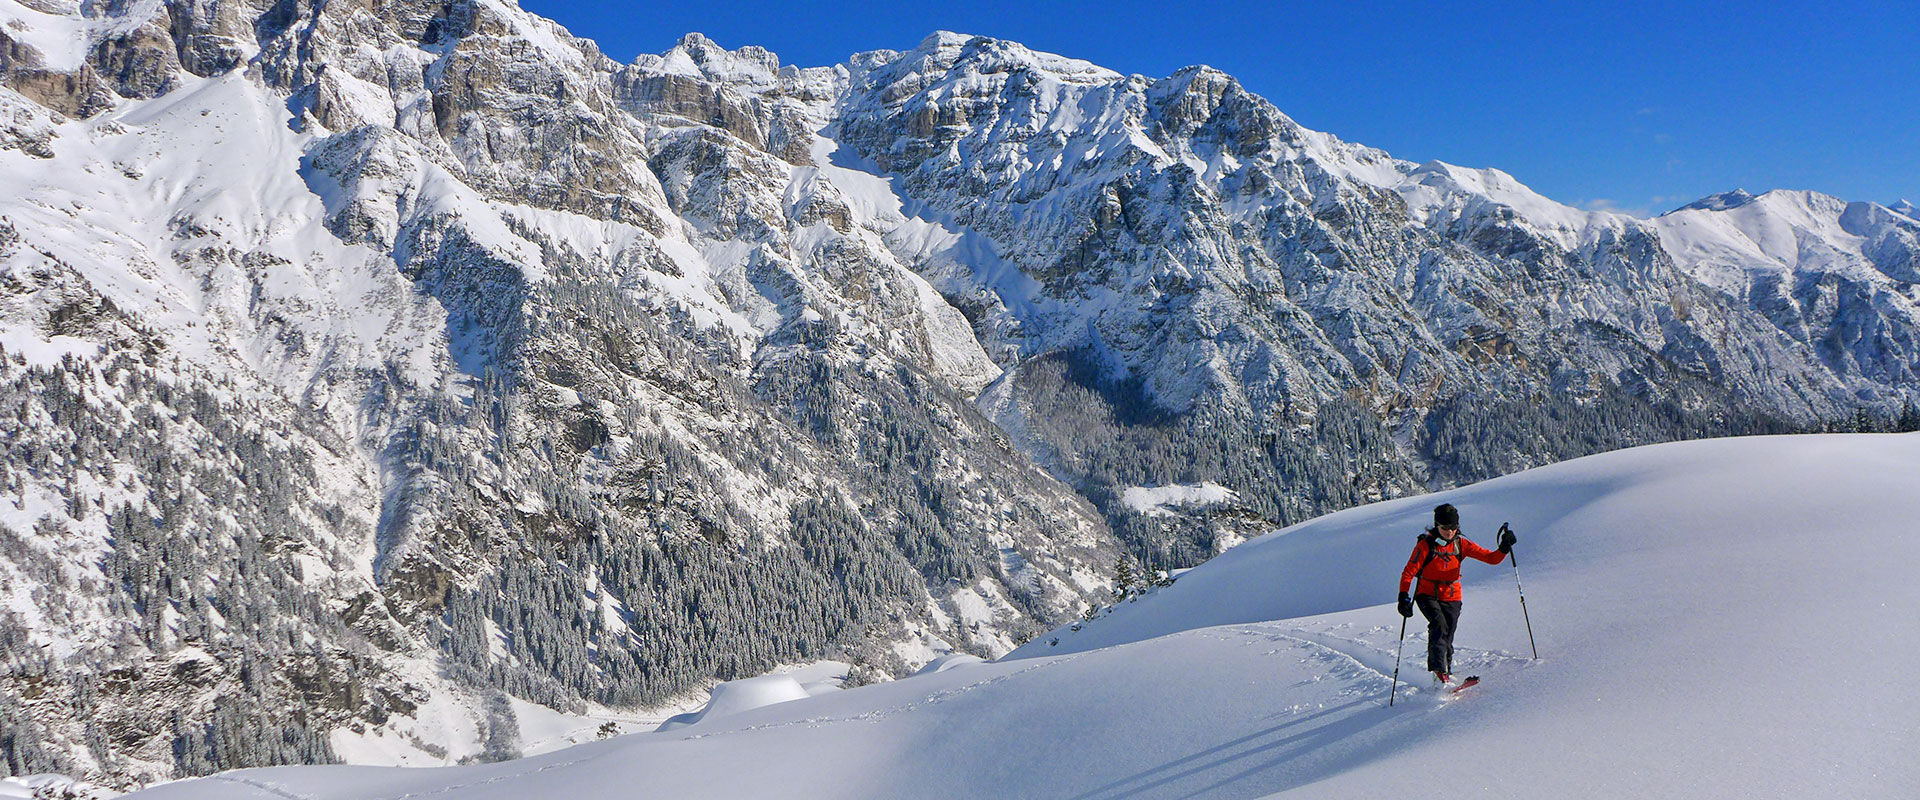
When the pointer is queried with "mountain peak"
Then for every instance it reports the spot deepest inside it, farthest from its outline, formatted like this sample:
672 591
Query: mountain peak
942 51
1200 69
1720 202
697 56
939 39
1775 200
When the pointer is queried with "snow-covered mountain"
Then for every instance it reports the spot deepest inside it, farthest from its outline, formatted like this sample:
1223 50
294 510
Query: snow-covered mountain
1680 656
1822 270
1178 250
372 371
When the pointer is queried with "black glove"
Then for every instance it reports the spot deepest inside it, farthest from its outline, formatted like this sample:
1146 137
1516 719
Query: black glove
1406 605
1507 539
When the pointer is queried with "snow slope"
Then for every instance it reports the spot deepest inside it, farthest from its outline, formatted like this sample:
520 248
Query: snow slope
1721 238
1725 618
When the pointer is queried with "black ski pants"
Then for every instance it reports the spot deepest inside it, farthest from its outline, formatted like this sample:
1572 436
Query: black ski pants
1442 617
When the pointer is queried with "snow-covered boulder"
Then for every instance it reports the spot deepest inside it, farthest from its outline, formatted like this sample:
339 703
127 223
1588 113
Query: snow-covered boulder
734 697
949 661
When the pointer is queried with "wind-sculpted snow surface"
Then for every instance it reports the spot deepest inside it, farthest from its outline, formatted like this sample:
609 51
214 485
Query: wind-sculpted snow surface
1714 620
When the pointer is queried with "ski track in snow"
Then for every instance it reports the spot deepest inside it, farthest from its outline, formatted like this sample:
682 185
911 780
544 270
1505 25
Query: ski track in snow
1361 661
265 787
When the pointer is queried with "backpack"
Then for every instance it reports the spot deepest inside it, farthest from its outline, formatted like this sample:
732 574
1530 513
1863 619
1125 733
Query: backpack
1432 552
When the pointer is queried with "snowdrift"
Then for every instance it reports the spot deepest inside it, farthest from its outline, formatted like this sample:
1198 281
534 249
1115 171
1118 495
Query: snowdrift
734 697
1728 618
949 661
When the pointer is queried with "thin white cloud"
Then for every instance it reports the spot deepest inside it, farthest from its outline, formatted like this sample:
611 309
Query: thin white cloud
1612 207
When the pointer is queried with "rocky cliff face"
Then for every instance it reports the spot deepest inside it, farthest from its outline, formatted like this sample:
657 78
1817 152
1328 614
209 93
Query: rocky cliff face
366 362
1185 222
1216 269
406 357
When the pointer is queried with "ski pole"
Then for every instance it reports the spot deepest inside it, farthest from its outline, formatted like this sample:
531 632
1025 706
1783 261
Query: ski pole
1523 598
1396 661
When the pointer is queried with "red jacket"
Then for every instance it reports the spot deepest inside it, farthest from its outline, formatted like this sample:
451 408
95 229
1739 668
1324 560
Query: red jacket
1441 578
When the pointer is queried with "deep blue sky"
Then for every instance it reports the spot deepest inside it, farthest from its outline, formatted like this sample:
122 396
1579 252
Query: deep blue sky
1641 107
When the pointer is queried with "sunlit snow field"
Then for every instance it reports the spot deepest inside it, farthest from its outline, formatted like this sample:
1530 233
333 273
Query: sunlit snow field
1726 618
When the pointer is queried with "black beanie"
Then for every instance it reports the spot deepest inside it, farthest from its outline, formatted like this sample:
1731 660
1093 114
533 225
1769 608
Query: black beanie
1445 514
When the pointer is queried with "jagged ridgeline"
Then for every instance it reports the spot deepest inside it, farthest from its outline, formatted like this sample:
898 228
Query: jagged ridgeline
372 369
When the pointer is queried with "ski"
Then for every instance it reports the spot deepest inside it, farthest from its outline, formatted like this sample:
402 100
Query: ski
1472 680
